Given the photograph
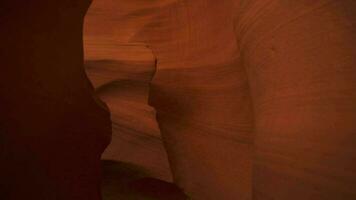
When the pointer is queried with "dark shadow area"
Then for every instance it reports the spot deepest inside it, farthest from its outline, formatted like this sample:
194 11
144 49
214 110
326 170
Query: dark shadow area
124 181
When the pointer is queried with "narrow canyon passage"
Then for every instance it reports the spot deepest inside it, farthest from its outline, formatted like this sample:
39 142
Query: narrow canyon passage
241 93
202 101
177 99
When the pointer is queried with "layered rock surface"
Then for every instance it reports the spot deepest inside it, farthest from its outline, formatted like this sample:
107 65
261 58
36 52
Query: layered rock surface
121 74
255 99
198 111
300 61
233 73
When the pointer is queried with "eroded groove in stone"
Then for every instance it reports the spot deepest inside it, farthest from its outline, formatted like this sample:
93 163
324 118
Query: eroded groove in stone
121 74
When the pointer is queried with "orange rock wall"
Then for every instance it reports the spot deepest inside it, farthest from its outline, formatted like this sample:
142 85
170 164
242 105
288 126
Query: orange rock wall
230 99
254 99
300 61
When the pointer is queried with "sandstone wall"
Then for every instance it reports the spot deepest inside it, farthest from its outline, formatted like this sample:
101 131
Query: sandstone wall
260 89
230 99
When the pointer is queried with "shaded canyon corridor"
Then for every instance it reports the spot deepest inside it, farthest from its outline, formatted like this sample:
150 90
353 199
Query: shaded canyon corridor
228 100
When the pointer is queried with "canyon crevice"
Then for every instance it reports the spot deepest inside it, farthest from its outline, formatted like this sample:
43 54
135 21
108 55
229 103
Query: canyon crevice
230 99
242 95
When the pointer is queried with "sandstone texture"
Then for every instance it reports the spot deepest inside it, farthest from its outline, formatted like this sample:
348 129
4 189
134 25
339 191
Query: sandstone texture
229 99
254 99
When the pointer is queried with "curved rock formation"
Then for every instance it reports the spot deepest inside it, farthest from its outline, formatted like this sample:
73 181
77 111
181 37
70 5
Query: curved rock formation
254 99
275 73
121 74
52 127
198 110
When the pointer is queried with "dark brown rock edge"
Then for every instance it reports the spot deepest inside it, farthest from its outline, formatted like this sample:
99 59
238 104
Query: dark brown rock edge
52 127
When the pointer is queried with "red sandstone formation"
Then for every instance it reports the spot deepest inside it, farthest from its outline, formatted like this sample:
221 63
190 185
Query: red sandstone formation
255 99
121 74
52 128
227 100
300 62
234 77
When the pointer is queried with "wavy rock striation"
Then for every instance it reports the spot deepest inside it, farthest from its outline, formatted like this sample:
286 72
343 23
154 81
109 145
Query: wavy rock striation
200 88
121 74
254 99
